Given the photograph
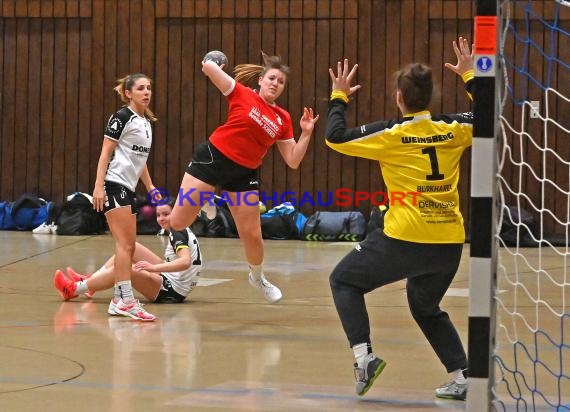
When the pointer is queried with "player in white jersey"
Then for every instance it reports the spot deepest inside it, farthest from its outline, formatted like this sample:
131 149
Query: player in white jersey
168 280
126 146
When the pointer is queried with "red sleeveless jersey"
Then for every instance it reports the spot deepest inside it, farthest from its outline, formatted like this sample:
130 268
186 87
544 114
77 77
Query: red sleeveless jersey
251 127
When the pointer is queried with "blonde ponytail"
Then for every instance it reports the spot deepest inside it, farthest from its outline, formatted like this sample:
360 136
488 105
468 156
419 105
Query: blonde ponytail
245 73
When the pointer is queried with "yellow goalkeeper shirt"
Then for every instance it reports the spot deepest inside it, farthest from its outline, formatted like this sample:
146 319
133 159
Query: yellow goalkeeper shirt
419 157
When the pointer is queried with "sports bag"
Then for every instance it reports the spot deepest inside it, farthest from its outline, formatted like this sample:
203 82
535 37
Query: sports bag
29 212
331 226
220 225
6 222
209 227
77 217
146 217
282 222
204 226
518 227
280 227
226 219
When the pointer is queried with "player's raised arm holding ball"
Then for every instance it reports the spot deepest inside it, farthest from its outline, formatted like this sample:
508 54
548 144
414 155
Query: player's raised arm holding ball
422 238
230 158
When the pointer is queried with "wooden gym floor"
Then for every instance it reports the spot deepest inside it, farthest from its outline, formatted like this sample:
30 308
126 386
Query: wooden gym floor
222 350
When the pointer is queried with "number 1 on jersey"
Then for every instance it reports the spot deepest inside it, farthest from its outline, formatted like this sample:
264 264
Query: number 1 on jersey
435 175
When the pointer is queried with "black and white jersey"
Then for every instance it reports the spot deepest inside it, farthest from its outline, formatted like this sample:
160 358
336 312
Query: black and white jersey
183 239
134 136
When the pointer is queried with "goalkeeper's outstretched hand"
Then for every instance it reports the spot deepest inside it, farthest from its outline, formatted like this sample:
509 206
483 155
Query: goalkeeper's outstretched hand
464 57
341 81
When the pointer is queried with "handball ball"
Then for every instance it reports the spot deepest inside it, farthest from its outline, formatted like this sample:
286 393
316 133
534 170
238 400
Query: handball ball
147 212
217 57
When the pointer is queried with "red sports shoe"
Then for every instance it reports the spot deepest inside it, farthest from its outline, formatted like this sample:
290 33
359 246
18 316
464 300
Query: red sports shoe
64 286
76 277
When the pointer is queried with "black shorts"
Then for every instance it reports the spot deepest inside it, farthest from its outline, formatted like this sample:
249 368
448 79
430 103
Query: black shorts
213 167
167 294
117 195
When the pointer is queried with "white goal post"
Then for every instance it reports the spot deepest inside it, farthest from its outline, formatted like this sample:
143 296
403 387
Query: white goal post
519 283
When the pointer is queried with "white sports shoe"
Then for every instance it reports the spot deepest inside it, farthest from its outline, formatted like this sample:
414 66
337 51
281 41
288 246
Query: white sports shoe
133 310
45 229
366 374
270 292
452 390
112 307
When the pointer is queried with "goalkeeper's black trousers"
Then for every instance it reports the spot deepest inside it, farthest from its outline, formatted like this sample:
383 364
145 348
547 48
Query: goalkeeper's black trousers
429 270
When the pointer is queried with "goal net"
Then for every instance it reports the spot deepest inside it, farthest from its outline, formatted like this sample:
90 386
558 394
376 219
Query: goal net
532 349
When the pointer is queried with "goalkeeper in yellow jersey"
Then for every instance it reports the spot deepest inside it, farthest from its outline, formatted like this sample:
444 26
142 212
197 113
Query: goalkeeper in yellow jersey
423 234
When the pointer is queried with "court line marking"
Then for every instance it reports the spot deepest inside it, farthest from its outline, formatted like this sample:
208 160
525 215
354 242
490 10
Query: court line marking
45 251
211 281
41 384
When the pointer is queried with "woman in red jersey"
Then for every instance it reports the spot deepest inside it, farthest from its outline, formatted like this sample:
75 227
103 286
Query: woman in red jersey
231 157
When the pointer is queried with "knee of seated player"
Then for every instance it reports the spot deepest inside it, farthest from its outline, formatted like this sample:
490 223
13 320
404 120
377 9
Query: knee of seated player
128 248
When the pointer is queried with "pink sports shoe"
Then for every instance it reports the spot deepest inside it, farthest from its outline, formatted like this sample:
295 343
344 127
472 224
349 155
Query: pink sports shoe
64 286
134 310
76 277
112 307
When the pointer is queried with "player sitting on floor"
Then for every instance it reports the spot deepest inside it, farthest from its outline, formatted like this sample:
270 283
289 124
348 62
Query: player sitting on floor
160 281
